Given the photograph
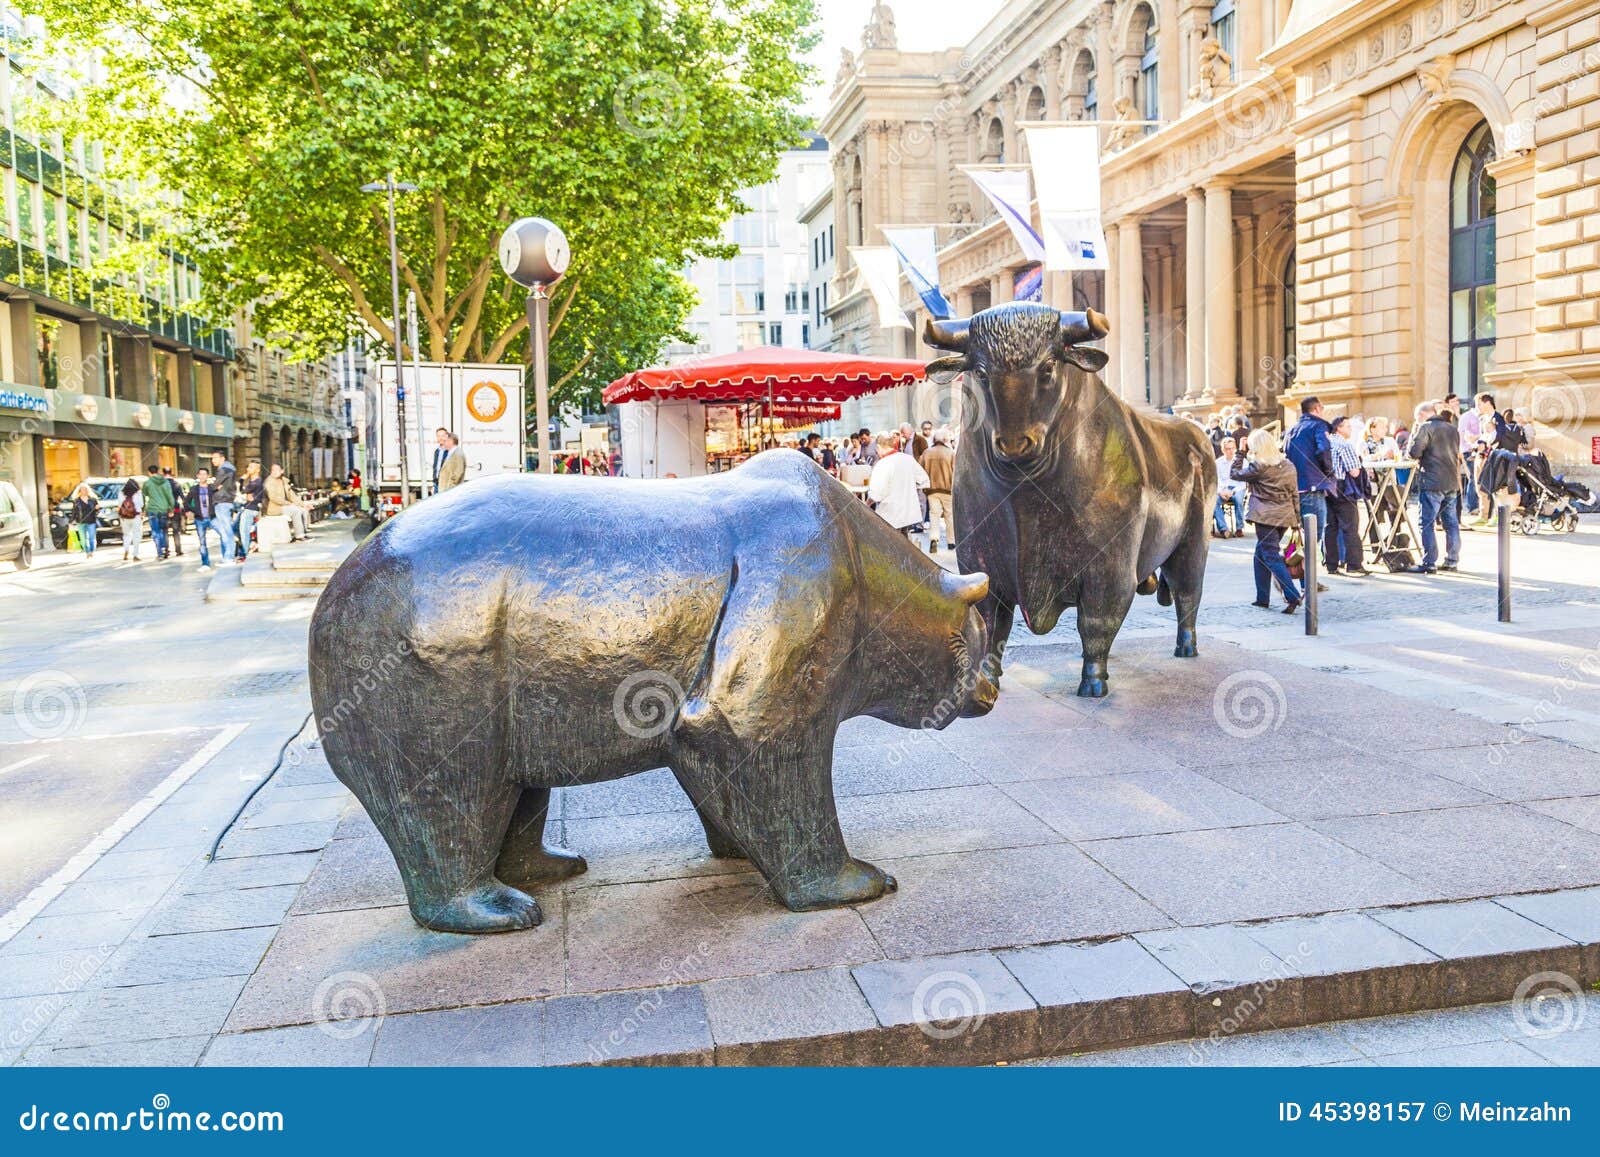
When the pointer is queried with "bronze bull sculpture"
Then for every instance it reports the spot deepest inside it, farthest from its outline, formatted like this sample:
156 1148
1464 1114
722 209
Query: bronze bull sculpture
1066 495
523 633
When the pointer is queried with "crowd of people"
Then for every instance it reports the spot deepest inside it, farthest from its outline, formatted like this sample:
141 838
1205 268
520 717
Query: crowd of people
1325 468
219 502
908 475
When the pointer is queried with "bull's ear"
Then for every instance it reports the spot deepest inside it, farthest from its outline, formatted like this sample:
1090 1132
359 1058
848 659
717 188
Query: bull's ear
943 371
968 588
948 334
1086 326
1086 358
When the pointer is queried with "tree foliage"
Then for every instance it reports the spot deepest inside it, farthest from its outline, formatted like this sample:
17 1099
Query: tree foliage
630 123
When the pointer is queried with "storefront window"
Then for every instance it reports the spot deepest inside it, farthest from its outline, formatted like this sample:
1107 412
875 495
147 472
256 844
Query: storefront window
66 463
126 461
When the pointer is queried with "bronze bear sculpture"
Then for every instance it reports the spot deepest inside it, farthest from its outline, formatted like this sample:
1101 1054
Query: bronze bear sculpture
530 632
1067 495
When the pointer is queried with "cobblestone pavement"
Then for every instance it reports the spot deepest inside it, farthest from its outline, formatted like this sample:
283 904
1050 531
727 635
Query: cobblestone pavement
1274 779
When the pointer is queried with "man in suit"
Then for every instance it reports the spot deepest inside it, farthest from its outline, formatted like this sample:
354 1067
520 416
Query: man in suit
441 451
453 470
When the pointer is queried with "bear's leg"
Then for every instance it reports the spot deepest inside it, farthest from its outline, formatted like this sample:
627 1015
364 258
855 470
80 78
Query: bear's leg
1100 615
722 846
777 805
525 859
442 803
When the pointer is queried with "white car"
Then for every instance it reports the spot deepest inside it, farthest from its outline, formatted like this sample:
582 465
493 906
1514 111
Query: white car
16 528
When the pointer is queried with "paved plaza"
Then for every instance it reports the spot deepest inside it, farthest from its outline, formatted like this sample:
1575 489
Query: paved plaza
1401 814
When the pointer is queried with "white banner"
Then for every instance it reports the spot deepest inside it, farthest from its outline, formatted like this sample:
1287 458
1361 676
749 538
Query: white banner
1009 191
1066 171
918 251
881 274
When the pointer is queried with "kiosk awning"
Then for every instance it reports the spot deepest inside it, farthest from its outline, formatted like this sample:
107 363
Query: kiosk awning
789 375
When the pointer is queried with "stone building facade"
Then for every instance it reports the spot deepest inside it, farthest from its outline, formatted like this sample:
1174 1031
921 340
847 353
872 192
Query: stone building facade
291 412
1376 201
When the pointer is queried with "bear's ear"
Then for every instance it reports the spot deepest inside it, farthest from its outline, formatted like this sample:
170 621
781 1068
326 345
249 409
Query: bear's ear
967 588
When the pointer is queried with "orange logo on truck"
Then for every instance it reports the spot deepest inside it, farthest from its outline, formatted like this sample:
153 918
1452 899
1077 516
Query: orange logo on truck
486 401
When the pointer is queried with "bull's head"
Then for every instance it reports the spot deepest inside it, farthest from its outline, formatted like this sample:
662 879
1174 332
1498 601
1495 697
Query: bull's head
1017 358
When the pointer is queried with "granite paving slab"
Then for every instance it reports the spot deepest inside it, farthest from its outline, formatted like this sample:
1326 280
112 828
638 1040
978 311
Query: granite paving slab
1137 803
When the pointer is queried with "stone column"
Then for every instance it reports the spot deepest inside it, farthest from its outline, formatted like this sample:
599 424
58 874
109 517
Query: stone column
1130 310
1221 297
24 368
1001 288
186 383
92 379
1052 82
1111 279
1249 343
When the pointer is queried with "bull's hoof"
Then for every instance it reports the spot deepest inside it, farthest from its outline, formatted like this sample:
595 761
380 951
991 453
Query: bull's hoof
1186 648
494 907
545 866
856 883
1092 687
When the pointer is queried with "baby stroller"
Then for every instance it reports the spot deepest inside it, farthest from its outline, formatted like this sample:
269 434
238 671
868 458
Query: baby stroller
1547 498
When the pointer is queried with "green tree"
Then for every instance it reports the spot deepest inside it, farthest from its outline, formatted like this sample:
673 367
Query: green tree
631 123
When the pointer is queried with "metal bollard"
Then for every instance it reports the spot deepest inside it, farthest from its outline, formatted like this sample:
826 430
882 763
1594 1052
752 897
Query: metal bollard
1309 533
1503 529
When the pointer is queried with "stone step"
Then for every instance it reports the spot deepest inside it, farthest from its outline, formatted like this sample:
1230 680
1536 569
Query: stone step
260 572
311 556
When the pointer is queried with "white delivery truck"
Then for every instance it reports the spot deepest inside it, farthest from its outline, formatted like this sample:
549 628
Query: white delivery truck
482 405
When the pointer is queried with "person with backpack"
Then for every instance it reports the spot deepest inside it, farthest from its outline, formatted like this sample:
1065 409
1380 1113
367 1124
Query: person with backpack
129 514
158 505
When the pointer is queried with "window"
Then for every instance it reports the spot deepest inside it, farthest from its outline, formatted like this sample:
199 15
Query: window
27 216
1290 356
830 243
1149 74
1091 102
805 334
1472 264
47 337
775 333
1223 28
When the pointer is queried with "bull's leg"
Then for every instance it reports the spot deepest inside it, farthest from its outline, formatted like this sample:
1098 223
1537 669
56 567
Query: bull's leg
721 844
525 859
777 805
1100 615
1185 574
998 616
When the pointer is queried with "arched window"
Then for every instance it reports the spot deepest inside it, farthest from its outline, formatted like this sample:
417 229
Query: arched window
1225 28
1091 101
1290 357
1472 245
1149 95
994 148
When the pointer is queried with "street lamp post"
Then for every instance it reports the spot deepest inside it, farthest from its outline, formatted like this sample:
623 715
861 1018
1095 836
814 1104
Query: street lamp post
391 186
534 254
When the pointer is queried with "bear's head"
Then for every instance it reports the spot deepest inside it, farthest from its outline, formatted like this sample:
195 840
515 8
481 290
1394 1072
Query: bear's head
947 670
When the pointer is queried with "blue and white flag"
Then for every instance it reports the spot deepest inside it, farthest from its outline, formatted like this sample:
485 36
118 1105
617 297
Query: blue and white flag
1010 191
918 251
1066 170
882 280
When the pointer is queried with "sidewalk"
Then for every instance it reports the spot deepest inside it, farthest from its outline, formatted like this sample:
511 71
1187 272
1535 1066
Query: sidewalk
1283 832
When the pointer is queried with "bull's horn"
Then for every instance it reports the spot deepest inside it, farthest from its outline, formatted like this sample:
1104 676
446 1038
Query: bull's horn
1086 326
949 334
943 370
968 588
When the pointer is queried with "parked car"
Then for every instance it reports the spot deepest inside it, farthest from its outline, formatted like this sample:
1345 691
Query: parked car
108 491
16 528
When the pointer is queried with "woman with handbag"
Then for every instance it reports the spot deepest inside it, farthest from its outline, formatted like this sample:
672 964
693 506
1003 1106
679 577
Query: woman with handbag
1274 508
85 517
1341 540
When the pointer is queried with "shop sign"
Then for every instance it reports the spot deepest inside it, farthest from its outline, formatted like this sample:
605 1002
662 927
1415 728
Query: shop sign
17 400
808 411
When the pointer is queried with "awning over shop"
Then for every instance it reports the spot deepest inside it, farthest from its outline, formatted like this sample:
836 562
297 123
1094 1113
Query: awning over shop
788 375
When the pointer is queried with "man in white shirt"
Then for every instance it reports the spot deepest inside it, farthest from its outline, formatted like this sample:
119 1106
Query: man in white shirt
1229 492
894 485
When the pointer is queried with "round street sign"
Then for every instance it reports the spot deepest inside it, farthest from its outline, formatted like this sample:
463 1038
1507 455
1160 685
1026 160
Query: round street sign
534 251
